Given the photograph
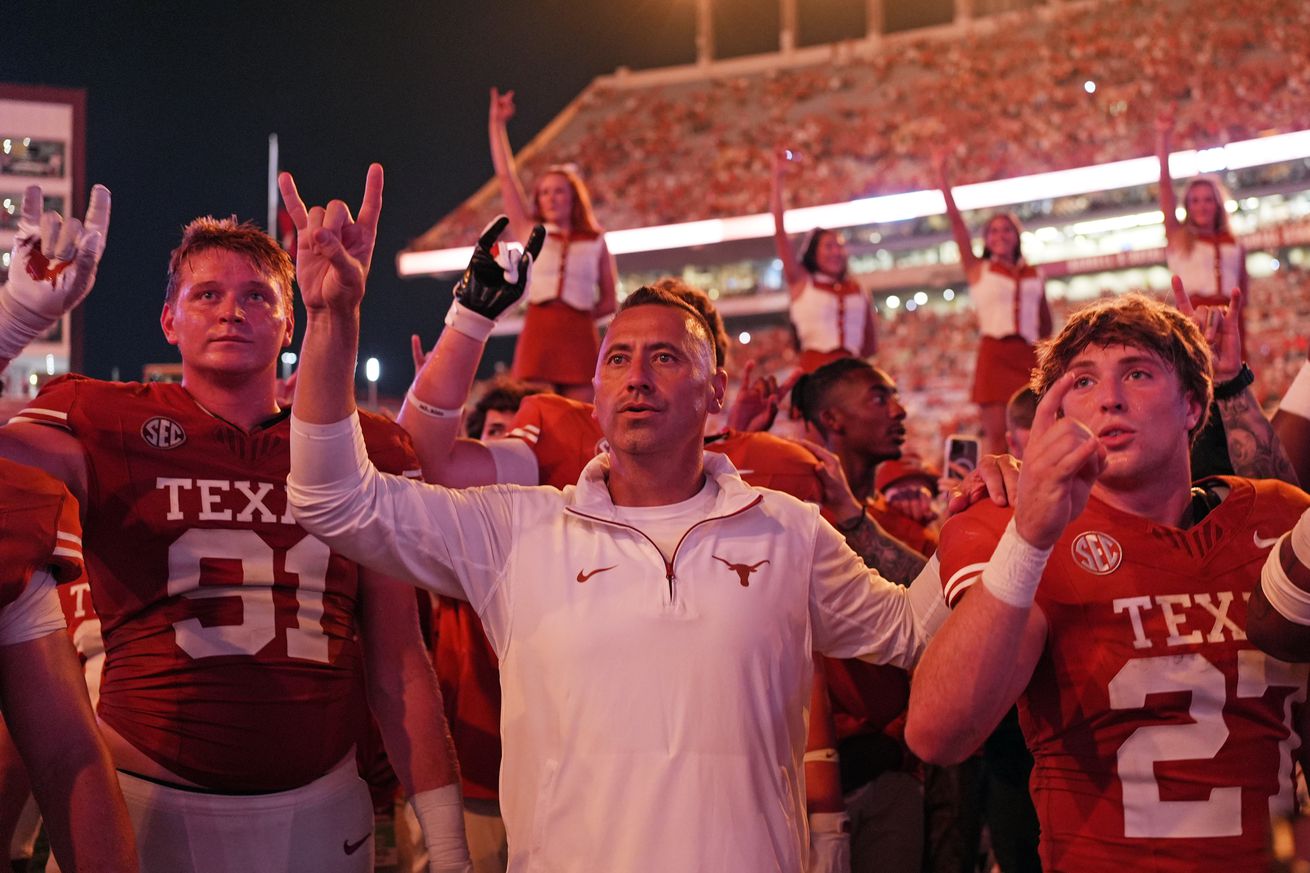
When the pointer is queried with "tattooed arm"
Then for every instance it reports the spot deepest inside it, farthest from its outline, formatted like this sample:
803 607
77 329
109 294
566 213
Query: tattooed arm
879 550
1253 447
893 559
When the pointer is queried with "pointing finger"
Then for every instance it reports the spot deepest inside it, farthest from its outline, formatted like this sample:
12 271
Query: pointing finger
370 208
535 240
492 232
1235 303
97 213
1181 300
291 199
31 211
746 372
1048 408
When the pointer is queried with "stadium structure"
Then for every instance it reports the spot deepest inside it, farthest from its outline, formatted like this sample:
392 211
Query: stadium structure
1049 112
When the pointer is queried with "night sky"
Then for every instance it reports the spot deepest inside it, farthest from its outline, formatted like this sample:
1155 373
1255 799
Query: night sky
180 102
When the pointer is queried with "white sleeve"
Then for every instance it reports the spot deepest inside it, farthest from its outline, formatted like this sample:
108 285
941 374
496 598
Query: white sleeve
516 463
411 530
34 614
855 613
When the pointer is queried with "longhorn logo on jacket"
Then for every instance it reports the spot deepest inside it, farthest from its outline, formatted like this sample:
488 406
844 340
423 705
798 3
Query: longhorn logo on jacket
743 571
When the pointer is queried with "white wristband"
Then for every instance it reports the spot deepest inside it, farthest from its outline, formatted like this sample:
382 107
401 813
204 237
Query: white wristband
1282 593
464 320
411 399
830 823
820 756
440 814
1297 398
1300 536
1016 568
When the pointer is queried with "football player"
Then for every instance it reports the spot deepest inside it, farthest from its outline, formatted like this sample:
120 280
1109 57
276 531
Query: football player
240 651
1163 739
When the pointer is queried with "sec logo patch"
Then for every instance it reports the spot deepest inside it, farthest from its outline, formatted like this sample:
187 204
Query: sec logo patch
163 433
1097 552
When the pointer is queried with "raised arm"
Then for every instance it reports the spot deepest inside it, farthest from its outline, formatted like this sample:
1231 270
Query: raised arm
959 230
984 655
404 698
1254 449
431 412
1164 134
792 271
893 559
389 523
334 252
51 268
512 195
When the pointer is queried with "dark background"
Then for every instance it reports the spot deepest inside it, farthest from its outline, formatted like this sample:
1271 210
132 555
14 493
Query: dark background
181 99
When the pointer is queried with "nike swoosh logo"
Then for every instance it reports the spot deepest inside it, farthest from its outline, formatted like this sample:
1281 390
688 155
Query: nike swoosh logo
583 577
1261 542
352 848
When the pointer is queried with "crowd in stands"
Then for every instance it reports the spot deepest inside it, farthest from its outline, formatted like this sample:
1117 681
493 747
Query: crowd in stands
1011 90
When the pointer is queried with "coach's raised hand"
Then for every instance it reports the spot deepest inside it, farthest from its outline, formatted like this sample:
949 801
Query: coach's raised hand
334 250
51 269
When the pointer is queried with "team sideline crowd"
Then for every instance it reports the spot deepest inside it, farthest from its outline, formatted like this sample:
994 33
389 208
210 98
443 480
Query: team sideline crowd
248 626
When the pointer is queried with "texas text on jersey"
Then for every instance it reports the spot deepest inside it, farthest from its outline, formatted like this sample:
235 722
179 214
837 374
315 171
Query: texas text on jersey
231 636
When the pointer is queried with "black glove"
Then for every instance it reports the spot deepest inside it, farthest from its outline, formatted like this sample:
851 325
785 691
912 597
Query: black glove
485 288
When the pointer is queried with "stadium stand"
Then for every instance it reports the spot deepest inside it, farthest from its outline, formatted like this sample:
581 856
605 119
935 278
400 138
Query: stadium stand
1011 89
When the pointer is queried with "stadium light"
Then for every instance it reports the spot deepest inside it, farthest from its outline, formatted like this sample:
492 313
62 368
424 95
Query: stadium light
372 371
1131 173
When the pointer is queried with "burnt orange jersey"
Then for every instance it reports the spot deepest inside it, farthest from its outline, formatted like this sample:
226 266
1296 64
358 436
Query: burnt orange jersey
564 435
1162 738
39 529
231 636
768 461
915 535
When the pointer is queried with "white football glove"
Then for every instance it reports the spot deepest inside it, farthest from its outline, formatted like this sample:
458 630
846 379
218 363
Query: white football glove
51 269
